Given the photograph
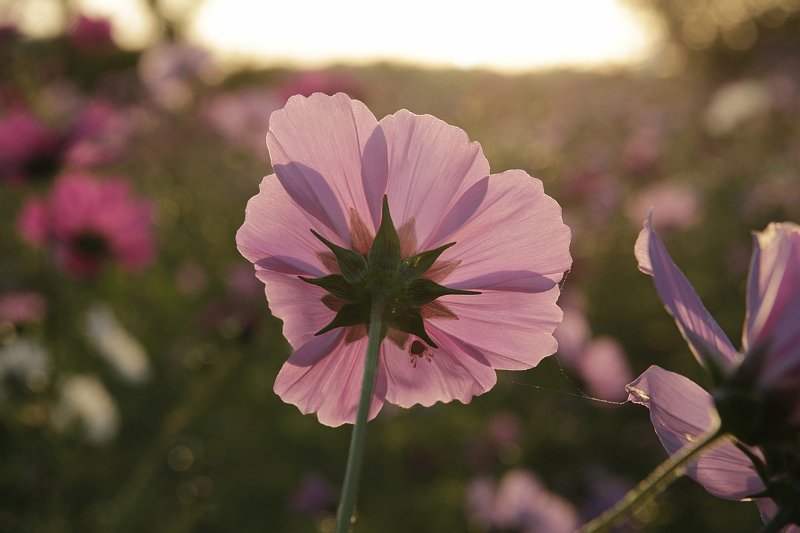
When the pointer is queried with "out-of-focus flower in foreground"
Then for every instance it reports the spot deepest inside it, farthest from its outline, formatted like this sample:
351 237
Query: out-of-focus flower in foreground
470 271
520 503
86 223
757 392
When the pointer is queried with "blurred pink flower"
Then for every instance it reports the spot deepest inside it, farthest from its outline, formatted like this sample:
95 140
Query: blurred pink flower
308 83
600 363
91 34
30 150
314 496
240 116
170 71
22 307
334 163
519 503
86 223
677 205
27 147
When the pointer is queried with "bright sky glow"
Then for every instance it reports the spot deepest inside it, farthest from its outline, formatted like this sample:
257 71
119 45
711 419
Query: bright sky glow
502 34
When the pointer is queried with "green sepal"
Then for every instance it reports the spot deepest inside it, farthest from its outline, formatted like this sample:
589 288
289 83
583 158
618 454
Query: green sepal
351 263
348 315
411 322
384 254
417 265
334 284
421 291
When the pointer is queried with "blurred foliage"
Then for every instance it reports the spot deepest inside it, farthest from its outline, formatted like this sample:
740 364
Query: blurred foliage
206 446
730 37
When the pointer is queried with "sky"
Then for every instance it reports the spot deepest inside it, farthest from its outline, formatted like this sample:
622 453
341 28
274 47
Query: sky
509 35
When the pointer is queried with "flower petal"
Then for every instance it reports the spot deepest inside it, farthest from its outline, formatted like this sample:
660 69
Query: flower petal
450 375
276 234
698 327
324 376
681 411
297 303
431 164
510 330
515 240
773 300
768 508
330 157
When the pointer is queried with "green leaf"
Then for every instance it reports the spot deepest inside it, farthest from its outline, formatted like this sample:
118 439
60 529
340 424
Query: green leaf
334 284
423 290
351 263
417 265
348 315
384 254
411 322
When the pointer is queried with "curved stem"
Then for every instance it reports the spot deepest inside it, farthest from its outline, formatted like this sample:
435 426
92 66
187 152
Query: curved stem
355 455
658 480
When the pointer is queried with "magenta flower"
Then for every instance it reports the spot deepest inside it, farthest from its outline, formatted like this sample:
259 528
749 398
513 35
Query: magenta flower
459 231
92 34
32 150
86 223
520 503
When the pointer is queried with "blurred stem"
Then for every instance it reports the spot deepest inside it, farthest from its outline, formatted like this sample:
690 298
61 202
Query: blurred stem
194 402
655 483
356 454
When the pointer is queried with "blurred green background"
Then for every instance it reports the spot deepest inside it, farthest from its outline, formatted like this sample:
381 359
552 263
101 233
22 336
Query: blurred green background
705 132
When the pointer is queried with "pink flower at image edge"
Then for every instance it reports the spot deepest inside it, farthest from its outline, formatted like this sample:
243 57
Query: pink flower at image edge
334 162
681 410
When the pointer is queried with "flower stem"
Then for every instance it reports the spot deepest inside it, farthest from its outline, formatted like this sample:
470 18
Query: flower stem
658 480
355 455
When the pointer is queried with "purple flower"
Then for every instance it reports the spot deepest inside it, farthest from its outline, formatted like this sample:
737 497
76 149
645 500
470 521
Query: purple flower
520 503
335 164
86 223
757 395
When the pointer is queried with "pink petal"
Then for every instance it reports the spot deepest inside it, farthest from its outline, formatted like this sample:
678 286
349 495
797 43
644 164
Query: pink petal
768 509
431 164
450 375
515 240
324 376
330 157
681 411
773 300
297 303
509 330
276 234
698 327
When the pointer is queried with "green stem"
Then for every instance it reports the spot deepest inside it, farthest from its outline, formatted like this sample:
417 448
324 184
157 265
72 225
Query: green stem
658 480
356 453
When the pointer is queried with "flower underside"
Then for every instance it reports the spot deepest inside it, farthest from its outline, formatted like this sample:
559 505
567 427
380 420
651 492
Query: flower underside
380 275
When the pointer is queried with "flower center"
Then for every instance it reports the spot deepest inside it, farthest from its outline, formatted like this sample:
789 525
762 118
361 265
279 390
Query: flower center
383 275
91 244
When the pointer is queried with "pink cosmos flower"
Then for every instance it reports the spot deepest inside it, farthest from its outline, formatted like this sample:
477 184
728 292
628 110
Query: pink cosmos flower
334 165
769 369
27 147
20 308
520 503
771 338
87 223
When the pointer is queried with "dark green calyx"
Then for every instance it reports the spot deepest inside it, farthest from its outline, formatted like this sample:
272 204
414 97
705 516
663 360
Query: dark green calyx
383 275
